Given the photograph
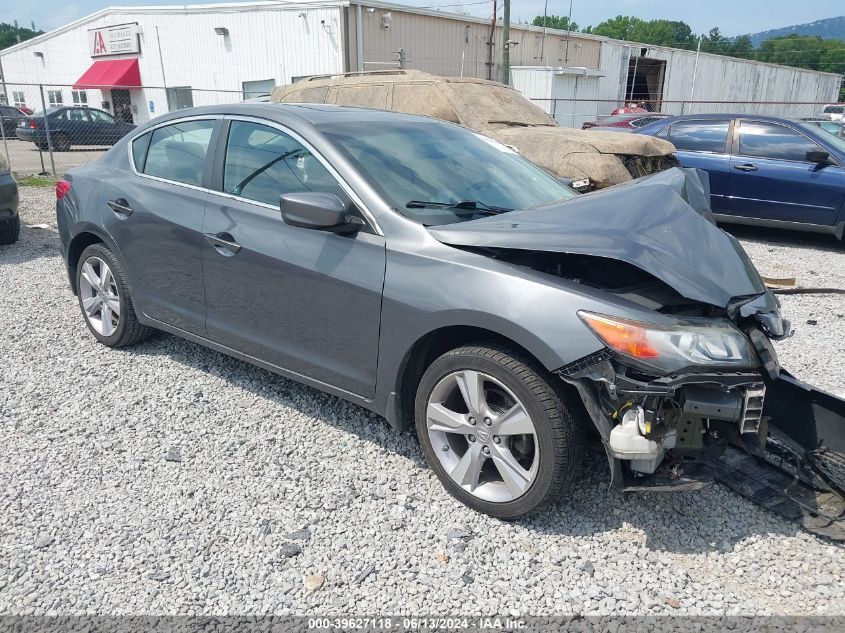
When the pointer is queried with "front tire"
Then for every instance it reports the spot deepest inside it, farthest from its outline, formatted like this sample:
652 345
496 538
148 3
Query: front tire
10 230
104 299
498 434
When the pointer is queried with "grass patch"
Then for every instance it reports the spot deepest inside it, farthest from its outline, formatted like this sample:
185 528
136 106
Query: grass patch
36 181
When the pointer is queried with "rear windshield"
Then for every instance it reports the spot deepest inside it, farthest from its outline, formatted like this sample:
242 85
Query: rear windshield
834 109
424 168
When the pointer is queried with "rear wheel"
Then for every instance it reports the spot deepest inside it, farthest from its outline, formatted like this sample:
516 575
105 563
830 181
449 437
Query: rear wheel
104 299
61 142
10 229
497 433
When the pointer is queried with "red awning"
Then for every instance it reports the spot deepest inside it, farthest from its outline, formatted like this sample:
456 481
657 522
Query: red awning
114 73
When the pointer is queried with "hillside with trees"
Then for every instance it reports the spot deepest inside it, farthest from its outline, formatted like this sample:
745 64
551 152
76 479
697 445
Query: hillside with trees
11 34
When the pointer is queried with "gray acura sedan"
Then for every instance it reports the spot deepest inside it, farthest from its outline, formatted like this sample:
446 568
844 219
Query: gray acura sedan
436 277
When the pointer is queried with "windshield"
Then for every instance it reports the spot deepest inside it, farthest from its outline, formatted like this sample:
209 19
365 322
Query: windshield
436 173
496 104
834 109
830 137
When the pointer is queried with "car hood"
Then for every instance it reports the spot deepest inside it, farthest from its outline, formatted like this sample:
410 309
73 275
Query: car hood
661 224
583 140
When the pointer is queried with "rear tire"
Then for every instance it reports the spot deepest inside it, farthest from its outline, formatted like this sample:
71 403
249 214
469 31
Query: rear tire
527 456
61 142
10 230
104 299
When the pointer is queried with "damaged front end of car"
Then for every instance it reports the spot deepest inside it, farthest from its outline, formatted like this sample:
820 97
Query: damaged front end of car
696 392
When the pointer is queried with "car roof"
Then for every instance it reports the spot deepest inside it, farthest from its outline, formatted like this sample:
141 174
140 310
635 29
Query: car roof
727 116
313 113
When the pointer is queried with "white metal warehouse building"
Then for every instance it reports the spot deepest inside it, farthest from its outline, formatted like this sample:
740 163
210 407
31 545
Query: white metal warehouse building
150 60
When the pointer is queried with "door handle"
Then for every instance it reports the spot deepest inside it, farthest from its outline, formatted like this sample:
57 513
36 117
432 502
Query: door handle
120 207
223 243
746 167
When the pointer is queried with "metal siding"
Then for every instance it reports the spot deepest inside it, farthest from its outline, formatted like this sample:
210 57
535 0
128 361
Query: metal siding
436 44
719 79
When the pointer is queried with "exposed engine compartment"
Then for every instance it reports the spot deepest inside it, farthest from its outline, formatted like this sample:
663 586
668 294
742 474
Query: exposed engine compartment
612 275
639 166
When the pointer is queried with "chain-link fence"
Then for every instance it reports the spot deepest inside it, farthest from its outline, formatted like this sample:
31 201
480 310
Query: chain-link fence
82 124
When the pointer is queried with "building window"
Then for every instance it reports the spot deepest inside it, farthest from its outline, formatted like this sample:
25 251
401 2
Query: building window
54 97
179 98
19 98
80 98
258 89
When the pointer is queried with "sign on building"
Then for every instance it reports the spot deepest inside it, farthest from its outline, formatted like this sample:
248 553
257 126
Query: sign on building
114 40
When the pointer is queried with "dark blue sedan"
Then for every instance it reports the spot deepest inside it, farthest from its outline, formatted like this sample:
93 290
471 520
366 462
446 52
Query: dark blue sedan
764 170
70 126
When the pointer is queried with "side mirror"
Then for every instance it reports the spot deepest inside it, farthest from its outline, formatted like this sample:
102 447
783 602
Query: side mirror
818 157
318 211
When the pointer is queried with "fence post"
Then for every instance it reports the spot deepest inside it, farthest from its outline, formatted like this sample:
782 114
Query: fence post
47 128
5 145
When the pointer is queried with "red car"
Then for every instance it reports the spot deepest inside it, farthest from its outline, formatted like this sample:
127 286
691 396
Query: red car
625 121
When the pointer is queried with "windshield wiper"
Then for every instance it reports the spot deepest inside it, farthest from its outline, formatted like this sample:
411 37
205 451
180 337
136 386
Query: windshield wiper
519 123
471 205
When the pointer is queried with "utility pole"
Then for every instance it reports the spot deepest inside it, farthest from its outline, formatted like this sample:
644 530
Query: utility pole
491 43
568 35
543 44
506 36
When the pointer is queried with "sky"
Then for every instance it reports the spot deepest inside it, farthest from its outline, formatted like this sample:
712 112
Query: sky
732 17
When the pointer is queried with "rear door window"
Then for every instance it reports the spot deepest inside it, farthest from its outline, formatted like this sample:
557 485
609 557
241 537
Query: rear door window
698 136
364 96
174 152
422 99
770 140
262 163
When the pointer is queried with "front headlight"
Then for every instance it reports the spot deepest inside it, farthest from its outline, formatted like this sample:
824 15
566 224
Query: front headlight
711 343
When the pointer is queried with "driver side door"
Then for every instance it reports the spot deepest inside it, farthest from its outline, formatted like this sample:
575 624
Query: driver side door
303 300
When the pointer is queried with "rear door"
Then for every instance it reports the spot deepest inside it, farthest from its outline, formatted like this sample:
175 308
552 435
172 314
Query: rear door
78 126
703 144
771 178
155 214
304 300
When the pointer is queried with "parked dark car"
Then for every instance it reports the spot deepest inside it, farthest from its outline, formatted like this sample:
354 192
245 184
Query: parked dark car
10 117
624 121
71 126
10 222
764 170
434 276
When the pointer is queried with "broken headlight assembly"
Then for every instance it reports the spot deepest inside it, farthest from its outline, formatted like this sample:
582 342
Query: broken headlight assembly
707 343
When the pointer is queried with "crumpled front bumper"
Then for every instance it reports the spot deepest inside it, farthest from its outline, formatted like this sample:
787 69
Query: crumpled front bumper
767 435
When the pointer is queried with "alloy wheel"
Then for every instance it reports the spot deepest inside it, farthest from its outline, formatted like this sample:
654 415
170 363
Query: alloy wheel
99 296
483 436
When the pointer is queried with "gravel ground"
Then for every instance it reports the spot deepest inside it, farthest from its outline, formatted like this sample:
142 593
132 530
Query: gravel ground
168 478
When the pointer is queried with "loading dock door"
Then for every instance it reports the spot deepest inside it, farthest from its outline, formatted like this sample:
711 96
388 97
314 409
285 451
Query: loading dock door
645 82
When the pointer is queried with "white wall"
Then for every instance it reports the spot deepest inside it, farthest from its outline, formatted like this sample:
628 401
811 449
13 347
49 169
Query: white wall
575 89
263 43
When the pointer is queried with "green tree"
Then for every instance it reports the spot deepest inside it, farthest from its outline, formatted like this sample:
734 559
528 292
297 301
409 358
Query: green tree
556 22
9 34
803 51
619 28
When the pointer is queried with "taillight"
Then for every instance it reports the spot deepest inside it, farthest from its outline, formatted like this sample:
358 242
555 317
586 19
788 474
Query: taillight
62 187
33 124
